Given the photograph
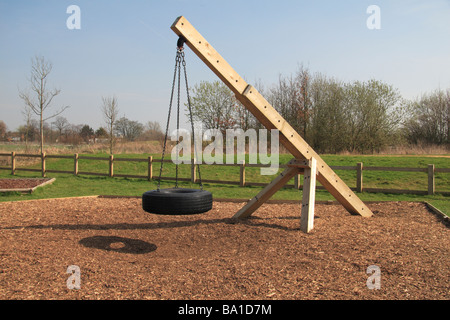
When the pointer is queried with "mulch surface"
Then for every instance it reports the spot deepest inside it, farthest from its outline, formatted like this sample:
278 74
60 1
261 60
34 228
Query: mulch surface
125 253
21 183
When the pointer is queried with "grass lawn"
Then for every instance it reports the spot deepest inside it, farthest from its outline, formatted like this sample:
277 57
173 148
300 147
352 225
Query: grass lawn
67 185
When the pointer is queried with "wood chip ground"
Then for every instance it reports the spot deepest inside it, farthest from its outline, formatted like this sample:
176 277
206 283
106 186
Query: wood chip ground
126 253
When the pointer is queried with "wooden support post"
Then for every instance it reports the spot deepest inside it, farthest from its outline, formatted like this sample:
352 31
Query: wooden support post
359 177
13 163
150 168
297 183
242 174
43 164
268 116
309 197
431 189
75 164
111 165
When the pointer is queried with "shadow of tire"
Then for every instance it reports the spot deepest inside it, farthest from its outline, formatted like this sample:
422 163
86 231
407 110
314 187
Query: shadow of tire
118 244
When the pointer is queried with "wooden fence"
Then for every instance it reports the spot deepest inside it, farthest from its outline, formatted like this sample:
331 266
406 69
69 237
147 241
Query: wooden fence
430 170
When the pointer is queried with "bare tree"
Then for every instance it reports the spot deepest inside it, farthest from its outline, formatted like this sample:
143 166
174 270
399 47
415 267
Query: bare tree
292 98
128 129
429 122
303 82
281 97
41 99
61 123
110 110
153 131
153 126
214 105
28 117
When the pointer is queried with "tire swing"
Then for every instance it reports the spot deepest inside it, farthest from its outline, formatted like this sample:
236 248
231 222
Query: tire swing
177 201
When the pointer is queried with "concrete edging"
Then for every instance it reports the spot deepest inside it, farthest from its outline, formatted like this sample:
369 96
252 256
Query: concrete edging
439 214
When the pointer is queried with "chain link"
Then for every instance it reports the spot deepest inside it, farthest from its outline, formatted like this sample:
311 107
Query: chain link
179 60
179 53
192 122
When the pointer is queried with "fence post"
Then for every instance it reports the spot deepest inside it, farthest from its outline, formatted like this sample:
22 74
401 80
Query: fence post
13 163
111 165
43 164
297 182
150 168
242 174
193 172
75 164
359 177
431 179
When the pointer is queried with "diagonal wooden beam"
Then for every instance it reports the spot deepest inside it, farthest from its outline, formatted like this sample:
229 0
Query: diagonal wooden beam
265 113
268 116
267 192
209 55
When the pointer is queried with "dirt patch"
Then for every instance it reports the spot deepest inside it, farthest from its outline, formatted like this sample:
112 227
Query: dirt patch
125 253
9 184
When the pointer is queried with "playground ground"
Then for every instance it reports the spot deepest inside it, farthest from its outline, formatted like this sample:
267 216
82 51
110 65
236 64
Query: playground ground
125 253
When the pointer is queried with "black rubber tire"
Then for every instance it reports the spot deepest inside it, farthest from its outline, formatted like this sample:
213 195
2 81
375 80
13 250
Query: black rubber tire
177 201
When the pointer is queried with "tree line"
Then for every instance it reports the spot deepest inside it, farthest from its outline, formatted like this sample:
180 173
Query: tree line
62 131
332 115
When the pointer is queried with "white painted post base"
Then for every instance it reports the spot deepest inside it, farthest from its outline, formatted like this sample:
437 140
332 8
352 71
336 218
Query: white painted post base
309 197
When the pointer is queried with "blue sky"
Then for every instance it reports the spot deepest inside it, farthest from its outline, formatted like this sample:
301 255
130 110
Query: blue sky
126 48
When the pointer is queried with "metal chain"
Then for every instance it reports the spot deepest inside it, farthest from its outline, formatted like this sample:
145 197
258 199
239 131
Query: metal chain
179 53
177 62
191 119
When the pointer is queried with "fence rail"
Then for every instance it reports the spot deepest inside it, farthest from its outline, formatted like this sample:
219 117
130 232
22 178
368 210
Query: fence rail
430 170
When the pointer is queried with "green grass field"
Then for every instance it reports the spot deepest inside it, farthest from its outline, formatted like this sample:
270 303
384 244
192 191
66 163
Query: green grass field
67 185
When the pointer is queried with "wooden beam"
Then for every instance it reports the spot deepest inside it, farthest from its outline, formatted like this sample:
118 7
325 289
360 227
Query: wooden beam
359 177
43 164
268 116
266 193
13 163
209 55
150 168
75 164
242 174
300 163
